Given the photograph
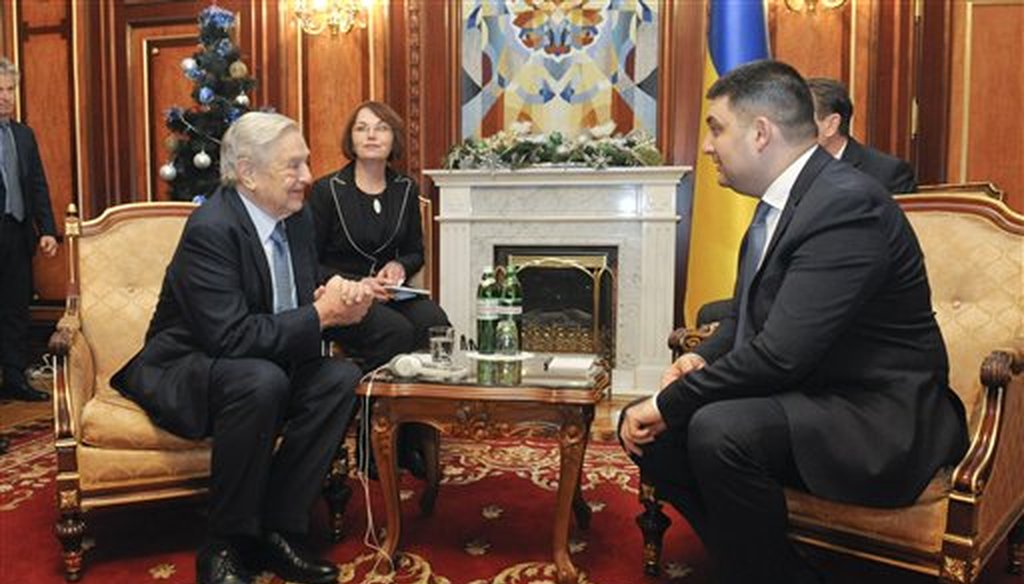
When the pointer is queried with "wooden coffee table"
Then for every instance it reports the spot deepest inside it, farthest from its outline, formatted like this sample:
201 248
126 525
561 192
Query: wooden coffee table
541 406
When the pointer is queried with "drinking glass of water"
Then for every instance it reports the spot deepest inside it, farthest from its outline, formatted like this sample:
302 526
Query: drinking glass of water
442 343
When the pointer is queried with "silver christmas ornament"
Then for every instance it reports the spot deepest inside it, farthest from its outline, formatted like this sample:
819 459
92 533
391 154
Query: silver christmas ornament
242 100
188 63
201 160
168 172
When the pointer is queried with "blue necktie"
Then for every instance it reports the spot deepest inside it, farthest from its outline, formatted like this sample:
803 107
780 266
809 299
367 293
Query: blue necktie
284 285
753 248
14 204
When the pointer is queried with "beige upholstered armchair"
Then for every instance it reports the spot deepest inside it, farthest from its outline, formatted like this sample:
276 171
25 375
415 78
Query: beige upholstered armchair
108 452
974 252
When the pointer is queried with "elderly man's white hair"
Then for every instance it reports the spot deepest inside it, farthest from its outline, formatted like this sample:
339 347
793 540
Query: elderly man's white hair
250 137
8 69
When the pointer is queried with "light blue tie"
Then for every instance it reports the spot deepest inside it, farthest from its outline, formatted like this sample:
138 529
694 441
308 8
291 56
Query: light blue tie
15 205
284 284
754 247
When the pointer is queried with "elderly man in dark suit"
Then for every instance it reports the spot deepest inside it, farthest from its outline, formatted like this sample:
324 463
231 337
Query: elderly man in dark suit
833 111
828 374
233 351
26 223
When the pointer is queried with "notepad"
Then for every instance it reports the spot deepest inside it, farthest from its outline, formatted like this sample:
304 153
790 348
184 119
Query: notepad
400 293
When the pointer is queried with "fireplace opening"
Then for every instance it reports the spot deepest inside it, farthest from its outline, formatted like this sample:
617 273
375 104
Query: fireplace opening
568 297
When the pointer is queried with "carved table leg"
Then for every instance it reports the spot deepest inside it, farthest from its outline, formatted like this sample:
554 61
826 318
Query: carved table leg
337 492
572 443
653 523
432 460
1015 547
384 436
580 510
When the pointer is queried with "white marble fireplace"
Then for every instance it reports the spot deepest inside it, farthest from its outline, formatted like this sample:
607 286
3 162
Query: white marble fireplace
632 209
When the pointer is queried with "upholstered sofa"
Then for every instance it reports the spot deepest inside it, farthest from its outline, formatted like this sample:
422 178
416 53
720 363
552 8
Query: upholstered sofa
108 452
974 252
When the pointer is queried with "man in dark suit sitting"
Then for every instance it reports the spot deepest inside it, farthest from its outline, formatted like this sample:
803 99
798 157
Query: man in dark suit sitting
233 351
829 373
833 111
26 224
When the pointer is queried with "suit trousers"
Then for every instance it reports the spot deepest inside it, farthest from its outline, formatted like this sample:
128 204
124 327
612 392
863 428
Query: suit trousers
15 295
258 484
389 329
725 472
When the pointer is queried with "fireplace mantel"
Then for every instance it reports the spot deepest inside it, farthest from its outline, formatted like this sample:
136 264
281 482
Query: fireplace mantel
633 209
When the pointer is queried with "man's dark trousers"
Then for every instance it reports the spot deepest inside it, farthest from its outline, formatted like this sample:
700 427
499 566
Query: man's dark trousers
726 474
15 295
255 488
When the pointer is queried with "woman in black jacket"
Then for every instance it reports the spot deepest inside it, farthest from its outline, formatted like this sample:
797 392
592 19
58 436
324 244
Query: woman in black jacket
367 220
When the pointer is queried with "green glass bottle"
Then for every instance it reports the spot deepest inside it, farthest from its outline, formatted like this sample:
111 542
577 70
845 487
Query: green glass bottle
487 299
512 301
507 345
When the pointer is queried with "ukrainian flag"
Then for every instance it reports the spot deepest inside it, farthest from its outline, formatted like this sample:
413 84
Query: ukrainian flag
737 34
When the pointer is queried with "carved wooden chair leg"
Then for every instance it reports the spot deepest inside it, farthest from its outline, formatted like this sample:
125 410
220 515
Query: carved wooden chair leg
653 523
337 492
70 530
1015 547
431 444
581 509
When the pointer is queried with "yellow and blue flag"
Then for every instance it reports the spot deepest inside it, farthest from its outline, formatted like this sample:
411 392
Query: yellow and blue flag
737 34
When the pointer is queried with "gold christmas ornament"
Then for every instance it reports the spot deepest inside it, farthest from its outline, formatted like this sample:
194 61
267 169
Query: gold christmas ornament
171 143
238 69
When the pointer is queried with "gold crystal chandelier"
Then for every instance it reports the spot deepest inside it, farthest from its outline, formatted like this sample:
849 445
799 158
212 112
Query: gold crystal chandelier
811 5
316 16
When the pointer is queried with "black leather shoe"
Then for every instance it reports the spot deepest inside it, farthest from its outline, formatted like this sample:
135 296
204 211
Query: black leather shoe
412 460
22 392
218 563
290 563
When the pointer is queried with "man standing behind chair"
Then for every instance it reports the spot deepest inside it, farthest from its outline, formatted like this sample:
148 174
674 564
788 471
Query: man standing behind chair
829 374
25 219
233 351
833 111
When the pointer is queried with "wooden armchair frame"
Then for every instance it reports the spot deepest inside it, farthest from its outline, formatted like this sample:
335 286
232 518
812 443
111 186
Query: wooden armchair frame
983 496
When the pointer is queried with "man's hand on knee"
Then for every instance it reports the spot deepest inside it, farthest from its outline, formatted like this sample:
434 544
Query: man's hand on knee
640 424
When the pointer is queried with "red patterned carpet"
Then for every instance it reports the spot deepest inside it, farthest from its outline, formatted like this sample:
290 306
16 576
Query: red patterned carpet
490 526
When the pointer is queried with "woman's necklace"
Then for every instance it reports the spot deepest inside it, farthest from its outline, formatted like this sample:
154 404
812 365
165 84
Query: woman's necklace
376 205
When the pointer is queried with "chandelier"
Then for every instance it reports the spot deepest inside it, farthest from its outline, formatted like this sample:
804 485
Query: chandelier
811 5
315 16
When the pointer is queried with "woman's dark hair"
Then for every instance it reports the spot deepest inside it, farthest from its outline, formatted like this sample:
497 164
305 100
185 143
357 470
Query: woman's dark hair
388 116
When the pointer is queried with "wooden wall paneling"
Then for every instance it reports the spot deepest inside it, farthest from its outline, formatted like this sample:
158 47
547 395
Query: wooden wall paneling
987 141
335 79
933 56
862 45
45 50
889 128
157 84
816 43
680 95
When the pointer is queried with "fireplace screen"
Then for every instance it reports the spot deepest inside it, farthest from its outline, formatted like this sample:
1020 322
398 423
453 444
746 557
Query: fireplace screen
568 297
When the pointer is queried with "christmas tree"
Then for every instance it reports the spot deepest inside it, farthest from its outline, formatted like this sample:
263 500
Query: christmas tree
221 84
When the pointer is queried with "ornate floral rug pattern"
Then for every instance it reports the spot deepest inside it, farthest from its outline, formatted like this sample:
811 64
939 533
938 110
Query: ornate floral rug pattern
491 524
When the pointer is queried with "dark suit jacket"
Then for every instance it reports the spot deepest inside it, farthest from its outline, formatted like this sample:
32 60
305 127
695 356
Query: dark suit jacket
393 235
217 303
845 339
34 190
894 174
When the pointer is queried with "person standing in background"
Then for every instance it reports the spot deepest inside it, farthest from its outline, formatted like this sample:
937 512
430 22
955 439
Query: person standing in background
26 223
833 111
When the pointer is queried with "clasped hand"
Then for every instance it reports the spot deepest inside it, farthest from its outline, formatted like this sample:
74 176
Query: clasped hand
341 302
641 421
